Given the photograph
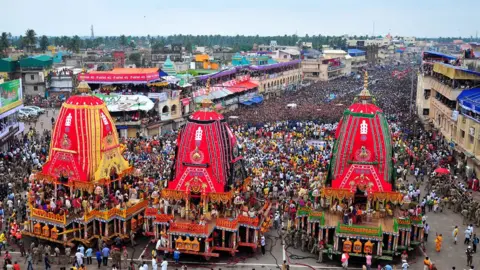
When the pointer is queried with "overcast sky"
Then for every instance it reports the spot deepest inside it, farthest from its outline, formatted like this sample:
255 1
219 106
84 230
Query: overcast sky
249 17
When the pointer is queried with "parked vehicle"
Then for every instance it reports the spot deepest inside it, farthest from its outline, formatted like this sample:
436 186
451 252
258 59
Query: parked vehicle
36 108
29 111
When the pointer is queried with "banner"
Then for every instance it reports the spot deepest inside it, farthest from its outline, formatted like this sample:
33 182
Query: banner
118 78
126 103
10 95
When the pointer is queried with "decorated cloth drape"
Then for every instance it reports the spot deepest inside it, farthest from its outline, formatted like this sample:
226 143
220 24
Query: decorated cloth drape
338 193
362 155
84 145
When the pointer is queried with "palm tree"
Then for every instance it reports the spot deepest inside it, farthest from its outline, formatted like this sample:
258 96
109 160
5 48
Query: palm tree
30 39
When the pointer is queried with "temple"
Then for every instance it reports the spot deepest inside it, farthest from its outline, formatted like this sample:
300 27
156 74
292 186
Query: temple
361 213
85 163
207 182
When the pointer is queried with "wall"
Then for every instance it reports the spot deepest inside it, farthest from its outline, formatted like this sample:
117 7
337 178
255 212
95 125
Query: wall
169 103
33 77
422 102
30 90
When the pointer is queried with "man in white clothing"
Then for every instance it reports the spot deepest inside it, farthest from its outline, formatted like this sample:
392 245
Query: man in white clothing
164 265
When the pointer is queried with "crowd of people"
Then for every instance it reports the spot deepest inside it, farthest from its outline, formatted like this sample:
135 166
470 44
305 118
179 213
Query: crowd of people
286 150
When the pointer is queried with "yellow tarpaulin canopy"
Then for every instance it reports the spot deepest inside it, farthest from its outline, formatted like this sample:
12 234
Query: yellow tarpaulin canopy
455 73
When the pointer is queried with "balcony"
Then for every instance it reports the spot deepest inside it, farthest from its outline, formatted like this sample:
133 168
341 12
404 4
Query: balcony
334 68
441 88
444 109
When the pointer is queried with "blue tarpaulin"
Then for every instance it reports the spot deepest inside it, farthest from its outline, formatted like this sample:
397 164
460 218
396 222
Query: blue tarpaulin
438 55
355 52
247 103
470 100
257 99
162 73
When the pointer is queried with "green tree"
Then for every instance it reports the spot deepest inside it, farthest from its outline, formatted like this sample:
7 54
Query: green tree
4 44
30 39
136 58
123 41
20 42
75 44
44 43
132 44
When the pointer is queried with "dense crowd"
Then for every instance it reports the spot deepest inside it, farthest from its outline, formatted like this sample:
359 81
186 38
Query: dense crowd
286 152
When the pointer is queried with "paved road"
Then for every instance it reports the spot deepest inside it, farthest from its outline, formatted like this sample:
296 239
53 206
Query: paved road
44 121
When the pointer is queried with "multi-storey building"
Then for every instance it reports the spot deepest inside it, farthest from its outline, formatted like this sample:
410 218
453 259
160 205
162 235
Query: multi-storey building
446 101
359 60
326 69
274 79
33 71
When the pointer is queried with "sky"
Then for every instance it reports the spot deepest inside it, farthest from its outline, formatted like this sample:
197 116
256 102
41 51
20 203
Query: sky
420 18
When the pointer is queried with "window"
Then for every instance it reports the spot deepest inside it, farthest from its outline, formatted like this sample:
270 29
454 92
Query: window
462 133
285 57
427 93
174 109
32 77
426 111
35 88
165 110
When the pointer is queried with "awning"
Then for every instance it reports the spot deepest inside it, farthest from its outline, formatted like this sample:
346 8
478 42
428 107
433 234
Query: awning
185 101
470 100
243 86
214 95
455 72
438 55
126 103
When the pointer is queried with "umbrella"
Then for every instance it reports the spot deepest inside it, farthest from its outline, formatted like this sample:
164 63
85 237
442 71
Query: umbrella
442 171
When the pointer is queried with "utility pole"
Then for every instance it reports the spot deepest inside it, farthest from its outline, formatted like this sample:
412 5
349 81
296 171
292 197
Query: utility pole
92 35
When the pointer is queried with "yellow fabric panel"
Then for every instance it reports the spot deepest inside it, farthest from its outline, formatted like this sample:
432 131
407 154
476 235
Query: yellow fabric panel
453 73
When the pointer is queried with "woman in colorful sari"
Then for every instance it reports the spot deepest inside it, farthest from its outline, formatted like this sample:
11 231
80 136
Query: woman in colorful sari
438 243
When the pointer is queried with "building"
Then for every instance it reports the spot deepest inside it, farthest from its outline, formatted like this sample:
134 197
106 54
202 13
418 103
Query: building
173 51
273 46
425 82
62 81
33 72
446 100
275 79
332 65
467 137
407 41
204 61
169 67
119 58
286 55
12 102
251 59
359 60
